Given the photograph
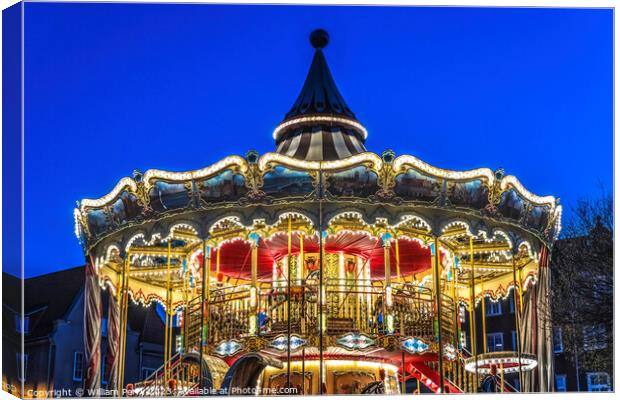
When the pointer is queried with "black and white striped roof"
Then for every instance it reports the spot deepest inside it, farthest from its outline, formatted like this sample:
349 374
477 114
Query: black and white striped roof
321 143
320 125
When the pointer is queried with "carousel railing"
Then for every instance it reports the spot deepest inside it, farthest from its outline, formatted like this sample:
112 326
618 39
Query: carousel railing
413 310
455 372
354 306
175 378
192 322
348 306
275 310
448 321
229 311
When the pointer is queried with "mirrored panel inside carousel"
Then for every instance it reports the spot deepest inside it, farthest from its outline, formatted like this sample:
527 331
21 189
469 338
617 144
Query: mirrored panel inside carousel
322 268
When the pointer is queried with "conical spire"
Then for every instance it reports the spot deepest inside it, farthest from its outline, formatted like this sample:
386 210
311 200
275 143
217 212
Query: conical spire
319 94
320 125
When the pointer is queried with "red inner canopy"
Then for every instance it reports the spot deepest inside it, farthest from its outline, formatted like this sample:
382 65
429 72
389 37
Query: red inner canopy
235 256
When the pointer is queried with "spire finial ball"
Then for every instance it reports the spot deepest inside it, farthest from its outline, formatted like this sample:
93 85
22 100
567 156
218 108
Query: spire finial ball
319 38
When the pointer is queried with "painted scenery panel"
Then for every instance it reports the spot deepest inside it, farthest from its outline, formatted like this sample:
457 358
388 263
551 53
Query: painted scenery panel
352 382
280 381
356 182
125 209
168 196
97 222
283 182
223 187
511 205
538 218
412 185
473 194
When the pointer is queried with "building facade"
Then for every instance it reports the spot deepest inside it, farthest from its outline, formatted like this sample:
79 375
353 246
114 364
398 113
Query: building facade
582 311
53 328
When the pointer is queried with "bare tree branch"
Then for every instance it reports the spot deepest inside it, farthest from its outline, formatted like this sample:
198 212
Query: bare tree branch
582 282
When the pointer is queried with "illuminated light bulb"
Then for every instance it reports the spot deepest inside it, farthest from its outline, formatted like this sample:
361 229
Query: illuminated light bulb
320 118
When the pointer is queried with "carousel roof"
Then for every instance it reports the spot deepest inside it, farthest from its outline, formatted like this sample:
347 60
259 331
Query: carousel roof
384 190
320 125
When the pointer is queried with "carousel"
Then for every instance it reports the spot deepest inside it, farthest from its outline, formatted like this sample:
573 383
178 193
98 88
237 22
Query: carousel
320 268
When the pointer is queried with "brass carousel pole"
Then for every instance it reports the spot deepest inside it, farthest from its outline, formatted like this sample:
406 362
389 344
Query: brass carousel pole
517 291
472 313
457 325
436 278
118 299
185 307
204 303
403 384
120 293
302 267
521 288
125 316
288 305
123 306
387 290
167 322
484 317
386 260
399 278
501 376
208 294
171 346
321 300
254 267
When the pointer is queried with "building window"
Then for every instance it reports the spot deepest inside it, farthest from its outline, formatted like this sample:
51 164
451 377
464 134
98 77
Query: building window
104 327
22 358
558 342
511 301
560 383
598 382
146 372
495 341
179 343
78 366
513 335
178 321
18 324
104 379
594 337
463 339
492 308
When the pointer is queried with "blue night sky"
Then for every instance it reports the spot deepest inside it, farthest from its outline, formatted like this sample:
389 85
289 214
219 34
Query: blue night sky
112 87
